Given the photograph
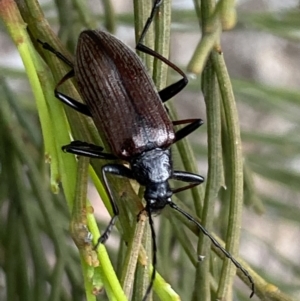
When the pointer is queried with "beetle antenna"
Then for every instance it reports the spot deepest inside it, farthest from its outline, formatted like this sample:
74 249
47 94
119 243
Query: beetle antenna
154 250
216 243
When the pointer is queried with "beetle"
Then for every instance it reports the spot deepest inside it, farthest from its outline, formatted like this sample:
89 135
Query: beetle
125 106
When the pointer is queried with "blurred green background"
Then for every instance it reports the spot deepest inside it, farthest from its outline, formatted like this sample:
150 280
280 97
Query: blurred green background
262 53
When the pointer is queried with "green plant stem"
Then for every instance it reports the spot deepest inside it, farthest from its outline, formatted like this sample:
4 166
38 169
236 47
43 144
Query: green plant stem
109 14
80 233
215 178
211 31
141 13
233 142
162 43
85 15
130 261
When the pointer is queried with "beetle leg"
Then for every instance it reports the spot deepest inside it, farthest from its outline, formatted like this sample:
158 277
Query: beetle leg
57 53
170 91
175 88
74 104
188 177
155 7
88 150
71 102
119 170
154 257
193 124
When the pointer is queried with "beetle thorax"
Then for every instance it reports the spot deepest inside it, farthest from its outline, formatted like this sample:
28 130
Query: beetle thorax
153 166
153 169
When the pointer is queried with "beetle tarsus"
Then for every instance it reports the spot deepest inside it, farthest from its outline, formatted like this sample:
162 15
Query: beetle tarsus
105 235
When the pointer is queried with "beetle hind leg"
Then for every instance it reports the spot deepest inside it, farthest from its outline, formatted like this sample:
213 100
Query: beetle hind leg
57 53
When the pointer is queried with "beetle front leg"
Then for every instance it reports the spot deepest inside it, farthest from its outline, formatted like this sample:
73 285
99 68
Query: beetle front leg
119 170
187 177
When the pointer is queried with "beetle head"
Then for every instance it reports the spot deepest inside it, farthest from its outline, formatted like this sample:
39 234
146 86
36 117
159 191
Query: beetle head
157 196
153 169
